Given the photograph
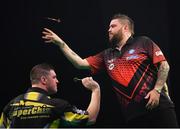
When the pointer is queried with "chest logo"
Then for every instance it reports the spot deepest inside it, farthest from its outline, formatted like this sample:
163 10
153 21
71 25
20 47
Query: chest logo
132 57
131 51
111 66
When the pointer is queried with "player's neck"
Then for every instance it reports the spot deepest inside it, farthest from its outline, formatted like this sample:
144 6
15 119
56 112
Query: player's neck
123 41
39 86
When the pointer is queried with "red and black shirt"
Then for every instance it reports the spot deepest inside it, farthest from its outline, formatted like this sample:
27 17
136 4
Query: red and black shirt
133 71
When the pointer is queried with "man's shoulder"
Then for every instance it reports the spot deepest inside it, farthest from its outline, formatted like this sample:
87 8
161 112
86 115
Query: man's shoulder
108 50
17 98
12 101
58 101
142 38
142 41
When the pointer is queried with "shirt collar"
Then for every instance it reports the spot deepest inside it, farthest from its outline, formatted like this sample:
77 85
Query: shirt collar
128 42
36 89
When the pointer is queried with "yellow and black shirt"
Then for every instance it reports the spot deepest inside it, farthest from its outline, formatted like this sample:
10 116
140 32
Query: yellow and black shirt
36 109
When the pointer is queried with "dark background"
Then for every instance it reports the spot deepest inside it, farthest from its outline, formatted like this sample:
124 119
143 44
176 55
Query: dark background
84 25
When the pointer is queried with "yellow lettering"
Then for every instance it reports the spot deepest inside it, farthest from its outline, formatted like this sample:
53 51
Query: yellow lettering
34 110
19 113
39 110
25 111
29 111
21 102
14 113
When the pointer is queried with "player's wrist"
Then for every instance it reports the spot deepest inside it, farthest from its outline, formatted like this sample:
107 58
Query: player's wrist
96 89
158 90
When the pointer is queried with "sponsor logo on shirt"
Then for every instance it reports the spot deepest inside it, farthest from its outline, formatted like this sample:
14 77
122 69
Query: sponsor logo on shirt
111 66
132 57
110 61
158 53
131 51
28 108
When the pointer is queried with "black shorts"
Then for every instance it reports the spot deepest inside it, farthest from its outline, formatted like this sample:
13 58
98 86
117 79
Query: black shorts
162 118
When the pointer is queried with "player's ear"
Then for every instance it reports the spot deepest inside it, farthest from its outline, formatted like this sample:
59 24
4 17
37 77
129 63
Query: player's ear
43 79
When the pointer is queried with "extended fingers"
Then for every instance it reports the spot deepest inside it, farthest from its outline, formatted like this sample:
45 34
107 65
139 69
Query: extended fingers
46 33
48 30
152 104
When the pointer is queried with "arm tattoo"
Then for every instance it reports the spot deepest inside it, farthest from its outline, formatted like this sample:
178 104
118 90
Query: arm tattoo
162 73
63 44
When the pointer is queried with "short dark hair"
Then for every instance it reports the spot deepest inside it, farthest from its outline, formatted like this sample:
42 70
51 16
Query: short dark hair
38 71
124 18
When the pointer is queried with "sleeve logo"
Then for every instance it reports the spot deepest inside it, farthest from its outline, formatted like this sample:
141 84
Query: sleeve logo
158 53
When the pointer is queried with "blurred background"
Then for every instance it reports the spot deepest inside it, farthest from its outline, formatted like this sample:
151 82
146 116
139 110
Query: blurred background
83 26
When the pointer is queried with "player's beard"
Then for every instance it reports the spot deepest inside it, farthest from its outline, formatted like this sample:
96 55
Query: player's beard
116 38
